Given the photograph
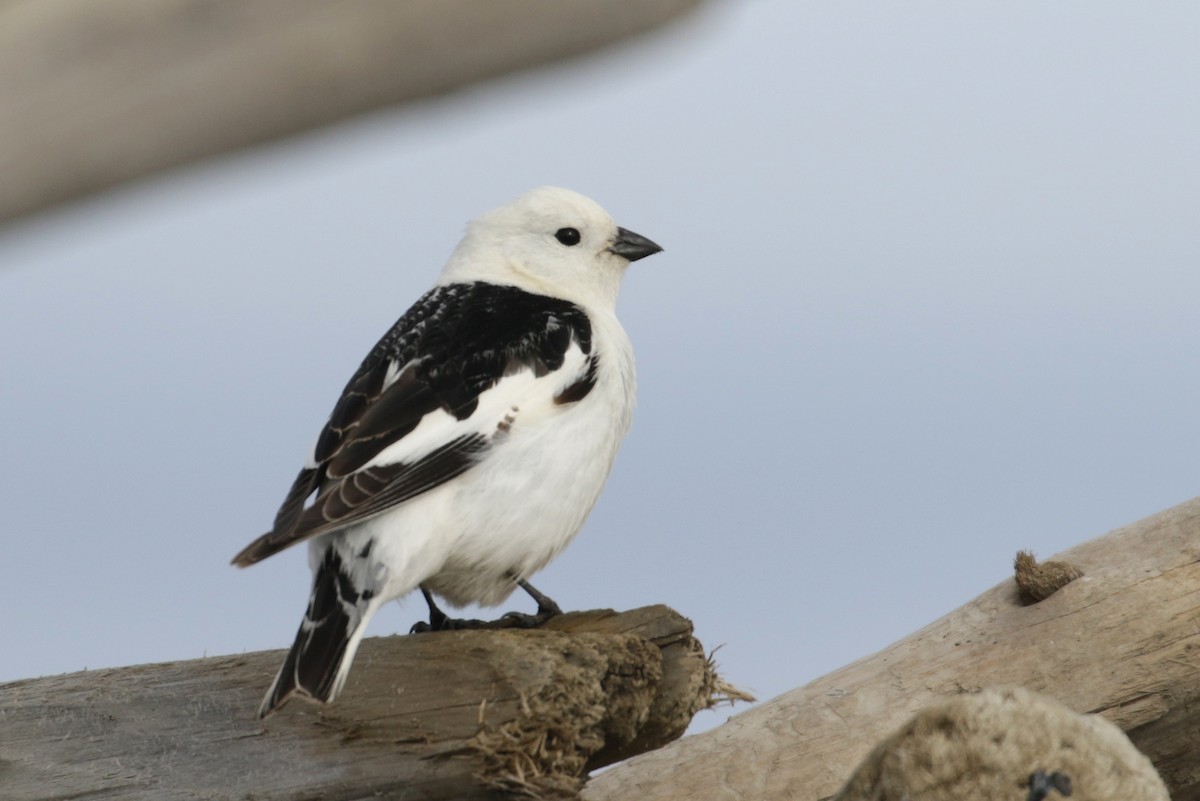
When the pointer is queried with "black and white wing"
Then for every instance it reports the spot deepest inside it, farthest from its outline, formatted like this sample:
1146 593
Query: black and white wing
411 418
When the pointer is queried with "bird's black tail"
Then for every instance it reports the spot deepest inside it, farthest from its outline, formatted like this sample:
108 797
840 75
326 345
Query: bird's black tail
319 661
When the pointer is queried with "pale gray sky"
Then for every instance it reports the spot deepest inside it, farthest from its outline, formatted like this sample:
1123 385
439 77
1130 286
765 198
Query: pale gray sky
929 297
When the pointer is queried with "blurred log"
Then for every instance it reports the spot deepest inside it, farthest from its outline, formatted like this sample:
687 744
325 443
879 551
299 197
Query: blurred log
452 715
1122 641
98 92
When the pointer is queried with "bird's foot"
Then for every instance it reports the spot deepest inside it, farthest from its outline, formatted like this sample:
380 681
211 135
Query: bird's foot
509 620
546 607
521 620
440 621
546 610
445 623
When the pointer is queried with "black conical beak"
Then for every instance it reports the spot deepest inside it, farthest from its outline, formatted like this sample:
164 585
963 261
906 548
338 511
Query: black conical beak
632 246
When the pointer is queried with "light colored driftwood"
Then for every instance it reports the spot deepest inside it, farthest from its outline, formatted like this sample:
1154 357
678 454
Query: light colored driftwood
1123 640
97 92
452 715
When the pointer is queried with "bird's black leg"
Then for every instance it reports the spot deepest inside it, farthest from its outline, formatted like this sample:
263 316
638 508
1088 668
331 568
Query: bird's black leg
437 618
546 609
440 621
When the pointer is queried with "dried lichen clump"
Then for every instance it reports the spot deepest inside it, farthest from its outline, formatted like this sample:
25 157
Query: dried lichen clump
1004 745
1038 581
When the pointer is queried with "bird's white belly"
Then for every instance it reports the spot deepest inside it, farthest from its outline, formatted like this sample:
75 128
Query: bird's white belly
507 516
524 504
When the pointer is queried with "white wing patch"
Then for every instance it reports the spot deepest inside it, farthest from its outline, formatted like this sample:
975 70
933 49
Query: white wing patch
517 400
393 371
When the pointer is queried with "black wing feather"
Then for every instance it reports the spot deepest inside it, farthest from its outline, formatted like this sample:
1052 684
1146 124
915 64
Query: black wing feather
377 489
389 416
455 342
306 484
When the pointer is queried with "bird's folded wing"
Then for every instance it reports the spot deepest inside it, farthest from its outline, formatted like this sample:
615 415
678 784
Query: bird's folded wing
374 489
408 421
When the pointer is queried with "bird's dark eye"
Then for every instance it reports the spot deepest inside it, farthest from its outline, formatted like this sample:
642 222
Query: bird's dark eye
568 236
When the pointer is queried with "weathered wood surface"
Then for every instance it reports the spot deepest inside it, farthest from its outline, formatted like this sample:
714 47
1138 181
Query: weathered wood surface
1123 641
97 92
452 715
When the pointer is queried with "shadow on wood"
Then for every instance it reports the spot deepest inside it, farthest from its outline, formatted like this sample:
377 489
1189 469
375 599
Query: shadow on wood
464 715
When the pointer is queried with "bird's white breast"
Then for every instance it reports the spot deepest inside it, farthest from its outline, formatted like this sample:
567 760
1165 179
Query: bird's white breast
519 509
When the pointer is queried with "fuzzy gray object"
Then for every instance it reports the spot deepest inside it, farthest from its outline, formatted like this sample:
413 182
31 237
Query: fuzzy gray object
987 746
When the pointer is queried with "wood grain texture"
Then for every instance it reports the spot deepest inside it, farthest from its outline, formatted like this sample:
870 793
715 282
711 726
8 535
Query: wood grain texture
463 715
1123 640
98 92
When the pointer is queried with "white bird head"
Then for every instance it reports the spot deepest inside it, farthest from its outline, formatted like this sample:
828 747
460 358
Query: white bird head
553 242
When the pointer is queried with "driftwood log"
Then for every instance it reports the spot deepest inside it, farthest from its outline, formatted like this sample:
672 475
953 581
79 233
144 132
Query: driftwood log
1122 640
99 92
452 715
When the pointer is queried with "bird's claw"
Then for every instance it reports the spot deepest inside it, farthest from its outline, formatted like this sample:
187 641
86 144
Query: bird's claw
546 606
521 620
446 623
440 621
509 620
